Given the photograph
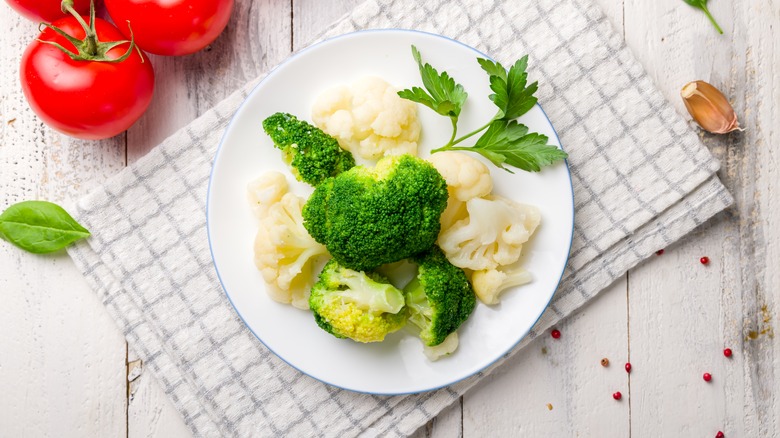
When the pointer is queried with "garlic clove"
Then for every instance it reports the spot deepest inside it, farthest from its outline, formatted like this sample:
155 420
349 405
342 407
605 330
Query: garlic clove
709 107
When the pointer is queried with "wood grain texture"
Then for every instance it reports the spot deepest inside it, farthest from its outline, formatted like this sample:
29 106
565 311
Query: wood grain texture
564 373
63 364
150 412
257 37
683 314
62 359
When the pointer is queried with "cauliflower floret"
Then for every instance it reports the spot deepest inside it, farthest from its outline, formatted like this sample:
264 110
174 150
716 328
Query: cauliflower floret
284 252
466 176
265 191
490 283
368 118
492 234
447 347
455 211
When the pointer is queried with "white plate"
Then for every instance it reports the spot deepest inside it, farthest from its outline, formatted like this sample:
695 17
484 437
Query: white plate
397 365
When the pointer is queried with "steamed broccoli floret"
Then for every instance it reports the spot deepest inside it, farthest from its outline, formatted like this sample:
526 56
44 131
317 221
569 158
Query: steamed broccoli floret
368 217
312 154
440 298
351 304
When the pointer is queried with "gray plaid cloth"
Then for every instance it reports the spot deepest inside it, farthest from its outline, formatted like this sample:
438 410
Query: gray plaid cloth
641 180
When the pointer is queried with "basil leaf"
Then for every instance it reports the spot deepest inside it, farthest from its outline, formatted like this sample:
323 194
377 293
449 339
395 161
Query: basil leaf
40 227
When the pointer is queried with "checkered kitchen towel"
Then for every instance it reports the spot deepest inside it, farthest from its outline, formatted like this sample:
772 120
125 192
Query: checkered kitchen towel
641 179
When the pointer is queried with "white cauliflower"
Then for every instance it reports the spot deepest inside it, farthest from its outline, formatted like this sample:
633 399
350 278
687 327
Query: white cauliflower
455 211
488 284
265 191
466 178
284 251
447 347
368 118
492 234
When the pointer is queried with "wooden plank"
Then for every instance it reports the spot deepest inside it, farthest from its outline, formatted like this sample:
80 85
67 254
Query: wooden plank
312 17
62 360
682 313
566 374
150 412
257 38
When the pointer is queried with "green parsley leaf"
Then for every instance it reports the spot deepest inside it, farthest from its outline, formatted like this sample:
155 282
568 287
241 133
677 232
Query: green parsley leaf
511 95
504 141
493 68
443 95
702 4
417 94
510 143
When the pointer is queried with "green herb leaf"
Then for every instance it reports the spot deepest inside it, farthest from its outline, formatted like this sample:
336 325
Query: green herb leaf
702 4
40 227
504 141
511 95
443 95
417 94
493 68
510 143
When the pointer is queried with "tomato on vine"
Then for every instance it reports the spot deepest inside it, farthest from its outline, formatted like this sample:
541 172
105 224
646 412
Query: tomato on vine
46 10
84 79
171 27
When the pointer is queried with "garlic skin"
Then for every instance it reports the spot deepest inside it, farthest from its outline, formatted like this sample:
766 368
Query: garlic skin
709 107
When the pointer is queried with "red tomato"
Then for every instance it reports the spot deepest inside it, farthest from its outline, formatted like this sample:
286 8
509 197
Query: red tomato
171 27
46 10
85 99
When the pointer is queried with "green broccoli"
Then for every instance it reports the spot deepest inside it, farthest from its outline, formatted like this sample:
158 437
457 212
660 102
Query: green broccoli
361 306
368 217
312 154
440 298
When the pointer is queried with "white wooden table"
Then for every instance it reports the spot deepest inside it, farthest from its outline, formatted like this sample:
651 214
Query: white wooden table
66 371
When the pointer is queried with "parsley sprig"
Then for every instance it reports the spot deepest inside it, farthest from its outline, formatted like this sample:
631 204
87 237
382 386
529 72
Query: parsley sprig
504 141
702 4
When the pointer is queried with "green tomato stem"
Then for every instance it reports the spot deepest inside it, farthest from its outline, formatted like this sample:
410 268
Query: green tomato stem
65 5
89 29
90 48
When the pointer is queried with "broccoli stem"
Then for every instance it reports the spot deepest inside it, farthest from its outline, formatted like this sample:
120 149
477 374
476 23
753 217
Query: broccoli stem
370 294
417 301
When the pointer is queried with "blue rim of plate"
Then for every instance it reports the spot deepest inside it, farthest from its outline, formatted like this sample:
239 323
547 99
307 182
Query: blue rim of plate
208 210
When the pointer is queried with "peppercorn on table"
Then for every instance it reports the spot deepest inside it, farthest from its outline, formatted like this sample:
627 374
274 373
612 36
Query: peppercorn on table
702 359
